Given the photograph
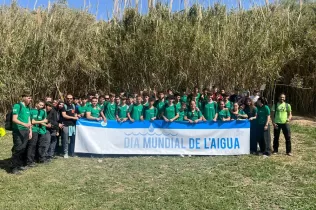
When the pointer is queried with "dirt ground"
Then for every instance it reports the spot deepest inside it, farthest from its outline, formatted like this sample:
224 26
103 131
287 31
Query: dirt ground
304 121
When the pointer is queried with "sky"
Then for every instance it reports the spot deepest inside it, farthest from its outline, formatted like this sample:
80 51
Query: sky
103 9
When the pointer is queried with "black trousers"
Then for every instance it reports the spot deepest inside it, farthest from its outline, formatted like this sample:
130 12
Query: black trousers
264 139
43 144
287 135
20 139
253 137
31 149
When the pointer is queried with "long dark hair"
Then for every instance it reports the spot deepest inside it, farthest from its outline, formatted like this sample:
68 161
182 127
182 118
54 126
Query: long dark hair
251 106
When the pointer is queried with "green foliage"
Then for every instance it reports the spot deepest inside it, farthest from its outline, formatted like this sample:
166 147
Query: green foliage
68 48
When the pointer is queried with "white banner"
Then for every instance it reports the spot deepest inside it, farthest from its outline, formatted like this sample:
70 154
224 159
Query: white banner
161 138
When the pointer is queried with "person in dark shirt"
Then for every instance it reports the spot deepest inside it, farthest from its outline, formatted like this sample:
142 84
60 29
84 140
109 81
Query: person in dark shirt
235 97
69 126
52 129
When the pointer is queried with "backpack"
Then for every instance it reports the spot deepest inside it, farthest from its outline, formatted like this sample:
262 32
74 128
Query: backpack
8 119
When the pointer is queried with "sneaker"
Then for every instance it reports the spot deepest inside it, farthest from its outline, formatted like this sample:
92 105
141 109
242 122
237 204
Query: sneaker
16 171
274 153
265 156
66 156
31 165
289 154
22 168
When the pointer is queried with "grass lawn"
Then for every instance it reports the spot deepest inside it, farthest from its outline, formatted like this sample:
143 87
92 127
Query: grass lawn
161 182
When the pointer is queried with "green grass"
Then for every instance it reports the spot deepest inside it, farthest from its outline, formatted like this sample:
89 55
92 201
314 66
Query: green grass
161 182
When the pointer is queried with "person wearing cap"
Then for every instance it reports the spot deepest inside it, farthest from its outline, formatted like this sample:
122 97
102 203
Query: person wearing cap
135 111
121 111
150 112
21 132
169 113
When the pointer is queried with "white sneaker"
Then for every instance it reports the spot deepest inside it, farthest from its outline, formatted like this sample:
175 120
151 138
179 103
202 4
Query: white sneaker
66 156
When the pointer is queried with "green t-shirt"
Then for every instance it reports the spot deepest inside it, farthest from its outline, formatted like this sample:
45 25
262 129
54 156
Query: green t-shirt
94 111
110 110
160 105
149 113
178 106
101 106
136 111
184 99
23 115
224 113
263 113
209 110
170 111
281 113
146 105
194 115
251 113
122 111
82 109
236 117
41 116
228 105
181 113
34 114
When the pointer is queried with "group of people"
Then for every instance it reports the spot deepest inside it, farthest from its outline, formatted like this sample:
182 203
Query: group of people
37 131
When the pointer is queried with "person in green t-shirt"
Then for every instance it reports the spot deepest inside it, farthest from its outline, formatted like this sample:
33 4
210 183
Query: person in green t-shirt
223 113
263 128
21 132
251 111
130 101
32 144
150 112
210 109
43 136
177 101
184 96
170 112
145 99
135 111
228 104
82 109
237 112
94 111
281 114
101 101
193 115
121 111
182 111
160 104
118 100
109 109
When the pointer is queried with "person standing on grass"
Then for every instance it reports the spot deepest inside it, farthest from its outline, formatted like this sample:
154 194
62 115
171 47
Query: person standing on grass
150 112
109 109
135 111
52 129
281 114
251 111
237 112
146 99
182 111
69 117
101 101
170 111
129 101
32 143
160 104
235 97
255 96
121 111
184 96
43 135
177 101
193 115
223 113
94 111
21 132
263 127
210 109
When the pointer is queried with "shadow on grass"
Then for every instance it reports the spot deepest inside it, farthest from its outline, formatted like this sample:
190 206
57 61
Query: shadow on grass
5 165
